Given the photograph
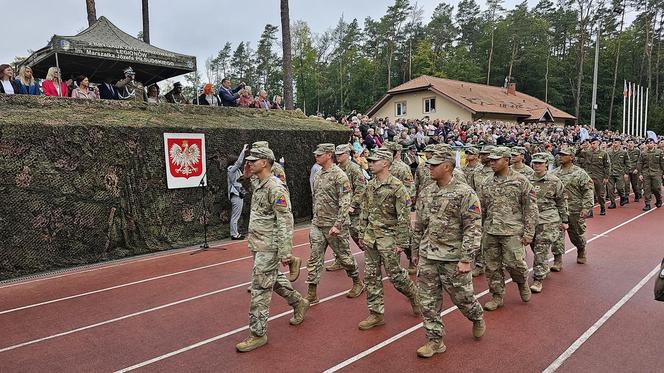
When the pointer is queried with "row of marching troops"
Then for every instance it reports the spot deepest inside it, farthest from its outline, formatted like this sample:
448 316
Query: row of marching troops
468 222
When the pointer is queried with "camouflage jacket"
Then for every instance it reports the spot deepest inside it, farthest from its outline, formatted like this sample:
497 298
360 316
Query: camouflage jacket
422 177
460 176
271 219
579 190
385 211
651 162
278 171
471 172
633 158
551 202
484 173
619 162
357 182
598 164
525 170
448 224
509 206
402 172
331 198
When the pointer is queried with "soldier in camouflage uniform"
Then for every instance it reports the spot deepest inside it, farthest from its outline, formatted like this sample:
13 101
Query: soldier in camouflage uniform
598 167
553 218
329 225
277 169
633 155
384 229
517 165
358 184
422 174
579 194
448 229
651 166
270 241
473 166
509 211
479 177
619 166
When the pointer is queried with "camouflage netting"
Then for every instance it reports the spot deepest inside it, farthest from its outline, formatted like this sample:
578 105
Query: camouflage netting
85 182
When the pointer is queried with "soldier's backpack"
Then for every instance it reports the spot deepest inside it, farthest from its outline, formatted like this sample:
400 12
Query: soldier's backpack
659 284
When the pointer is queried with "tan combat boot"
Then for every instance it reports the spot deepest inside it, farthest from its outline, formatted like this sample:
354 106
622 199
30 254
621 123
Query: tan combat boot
431 348
312 298
478 271
299 311
557 263
252 342
495 302
536 287
357 289
524 291
336 266
581 256
294 268
374 319
479 327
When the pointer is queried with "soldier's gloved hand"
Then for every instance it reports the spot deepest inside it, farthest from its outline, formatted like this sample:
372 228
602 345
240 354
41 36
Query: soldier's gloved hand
463 267
334 231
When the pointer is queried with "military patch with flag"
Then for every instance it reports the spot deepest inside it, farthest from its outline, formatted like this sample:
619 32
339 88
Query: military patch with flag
346 187
409 202
281 201
475 209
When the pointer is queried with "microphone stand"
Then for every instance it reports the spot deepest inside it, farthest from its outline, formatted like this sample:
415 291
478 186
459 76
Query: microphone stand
202 186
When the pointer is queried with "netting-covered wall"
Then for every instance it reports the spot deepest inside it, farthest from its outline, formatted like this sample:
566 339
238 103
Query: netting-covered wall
84 182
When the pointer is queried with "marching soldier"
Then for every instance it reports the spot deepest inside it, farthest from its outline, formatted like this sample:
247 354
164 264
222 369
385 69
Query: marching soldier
329 225
448 230
619 167
270 241
651 166
509 211
473 166
553 218
599 169
479 178
633 155
579 194
518 154
384 230
422 174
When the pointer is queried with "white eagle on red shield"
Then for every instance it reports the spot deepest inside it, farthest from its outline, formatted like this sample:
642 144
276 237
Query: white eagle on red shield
184 158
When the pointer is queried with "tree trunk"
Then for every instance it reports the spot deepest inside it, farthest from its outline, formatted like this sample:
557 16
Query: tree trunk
512 58
287 61
146 22
546 79
92 11
579 77
488 70
657 65
615 68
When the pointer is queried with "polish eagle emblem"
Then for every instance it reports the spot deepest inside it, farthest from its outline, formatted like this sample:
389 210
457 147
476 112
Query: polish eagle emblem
185 158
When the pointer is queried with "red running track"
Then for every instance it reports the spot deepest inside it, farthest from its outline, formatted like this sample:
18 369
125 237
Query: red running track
186 312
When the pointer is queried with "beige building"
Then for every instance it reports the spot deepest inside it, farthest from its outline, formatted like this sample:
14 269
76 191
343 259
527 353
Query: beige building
447 99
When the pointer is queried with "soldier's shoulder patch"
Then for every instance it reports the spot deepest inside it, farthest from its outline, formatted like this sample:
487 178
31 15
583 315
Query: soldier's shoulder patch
409 202
475 209
281 201
345 187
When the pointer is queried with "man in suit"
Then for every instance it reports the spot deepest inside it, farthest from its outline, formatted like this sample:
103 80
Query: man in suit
107 91
229 96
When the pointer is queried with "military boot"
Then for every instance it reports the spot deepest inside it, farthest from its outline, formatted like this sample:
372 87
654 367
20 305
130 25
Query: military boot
536 287
312 298
294 268
252 342
612 205
658 203
431 348
357 289
581 256
637 197
524 291
623 201
646 207
374 319
479 327
495 302
602 210
336 266
299 310
478 271
557 263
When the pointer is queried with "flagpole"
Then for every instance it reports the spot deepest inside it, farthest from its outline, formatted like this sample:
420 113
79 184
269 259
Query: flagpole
629 106
640 111
645 122
624 103
631 124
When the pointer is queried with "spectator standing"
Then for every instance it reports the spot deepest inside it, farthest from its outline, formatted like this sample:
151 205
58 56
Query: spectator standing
236 192
261 101
276 103
246 99
26 82
53 85
229 97
8 86
84 90
107 91
208 97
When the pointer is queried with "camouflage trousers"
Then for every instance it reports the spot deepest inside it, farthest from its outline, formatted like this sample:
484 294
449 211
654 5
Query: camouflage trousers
500 253
479 254
354 223
320 238
636 184
381 254
548 238
652 184
265 278
616 182
432 277
600 191
576 233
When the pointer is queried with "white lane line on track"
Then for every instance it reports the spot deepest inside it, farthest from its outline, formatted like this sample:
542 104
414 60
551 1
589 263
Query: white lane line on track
124 317
130 283
356 357
396 337
165 255
598 324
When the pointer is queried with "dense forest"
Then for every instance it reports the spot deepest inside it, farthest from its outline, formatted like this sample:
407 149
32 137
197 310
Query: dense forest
547 50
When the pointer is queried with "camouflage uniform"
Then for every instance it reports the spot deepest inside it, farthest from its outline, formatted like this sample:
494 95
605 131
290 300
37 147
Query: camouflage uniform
598 167
471 172
384 225
270 239
526 170
358 185
449 226
552 208
331 200
651 166
619 167
509 211
636 184
484 173
402 171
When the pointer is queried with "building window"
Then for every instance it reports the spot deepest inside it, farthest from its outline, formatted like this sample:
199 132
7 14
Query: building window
429 105
400 108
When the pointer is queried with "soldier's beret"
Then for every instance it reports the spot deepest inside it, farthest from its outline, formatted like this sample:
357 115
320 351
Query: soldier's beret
440 156
341 149
540 158
260 144
260 153
381 154
324 148
500 152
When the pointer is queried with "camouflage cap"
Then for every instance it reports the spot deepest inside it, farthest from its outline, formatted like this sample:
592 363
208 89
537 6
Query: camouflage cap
487 149
380 154
393 146
343 148
324 148
500 152
260 144
430 148
440 156
471 150
540 158
441 147
518 150
260 153
565 151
